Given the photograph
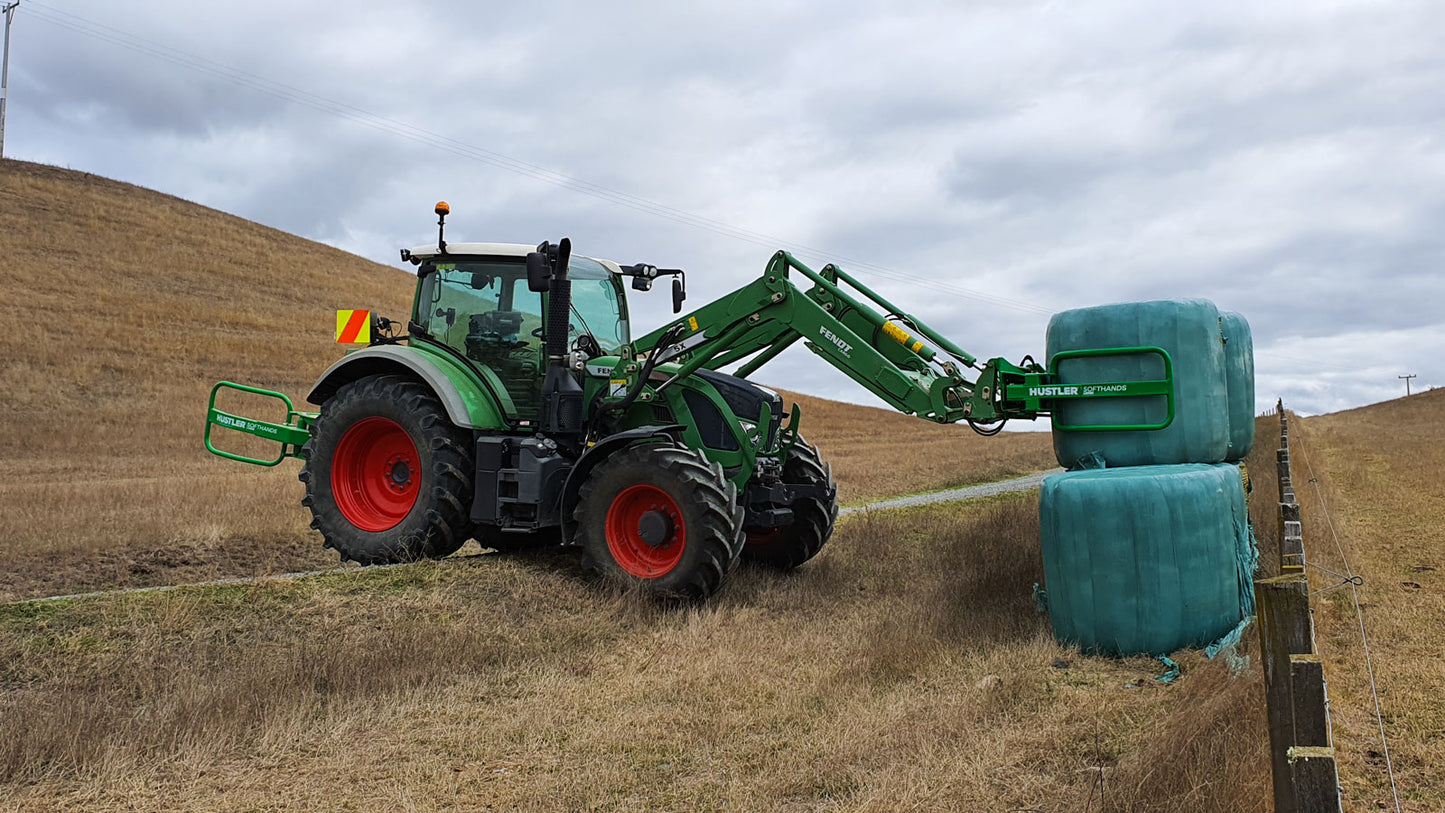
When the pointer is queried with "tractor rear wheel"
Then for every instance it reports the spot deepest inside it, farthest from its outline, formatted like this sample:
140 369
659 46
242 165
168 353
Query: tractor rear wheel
791 545
388 477
660 516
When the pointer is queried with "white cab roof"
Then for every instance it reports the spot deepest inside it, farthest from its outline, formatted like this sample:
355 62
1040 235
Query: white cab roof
493 250
489 249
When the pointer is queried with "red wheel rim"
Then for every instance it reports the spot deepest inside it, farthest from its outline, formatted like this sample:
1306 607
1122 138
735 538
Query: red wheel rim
648 506
375 474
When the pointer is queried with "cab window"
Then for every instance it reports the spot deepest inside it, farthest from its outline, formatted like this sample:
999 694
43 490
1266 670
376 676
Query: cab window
598 308
484 311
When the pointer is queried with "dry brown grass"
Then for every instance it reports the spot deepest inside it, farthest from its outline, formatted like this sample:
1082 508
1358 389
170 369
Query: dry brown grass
877 453
127 305
1379 471
905 669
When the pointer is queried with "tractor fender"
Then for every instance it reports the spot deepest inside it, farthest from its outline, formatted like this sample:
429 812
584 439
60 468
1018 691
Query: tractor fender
477 412
600 452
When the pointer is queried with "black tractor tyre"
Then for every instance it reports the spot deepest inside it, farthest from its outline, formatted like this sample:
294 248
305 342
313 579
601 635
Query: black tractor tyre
661 517
388 476
791 545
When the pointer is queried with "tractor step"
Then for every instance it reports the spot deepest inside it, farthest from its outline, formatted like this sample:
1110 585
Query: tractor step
291 435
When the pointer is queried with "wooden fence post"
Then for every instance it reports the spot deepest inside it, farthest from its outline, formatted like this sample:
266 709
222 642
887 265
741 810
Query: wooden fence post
1283 605
1306 778
1288 512
1286 485
1308 701
1291 544
1315 778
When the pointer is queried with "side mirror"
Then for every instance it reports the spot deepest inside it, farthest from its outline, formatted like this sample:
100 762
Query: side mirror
539 276
678 295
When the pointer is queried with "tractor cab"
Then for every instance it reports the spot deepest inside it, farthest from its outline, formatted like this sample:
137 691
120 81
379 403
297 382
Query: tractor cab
474 301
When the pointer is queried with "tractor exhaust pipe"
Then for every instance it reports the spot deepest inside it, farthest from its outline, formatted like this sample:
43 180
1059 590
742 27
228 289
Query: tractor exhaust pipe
559 306
561 394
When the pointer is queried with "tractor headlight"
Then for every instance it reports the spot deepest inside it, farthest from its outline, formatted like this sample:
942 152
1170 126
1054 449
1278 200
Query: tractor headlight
750 430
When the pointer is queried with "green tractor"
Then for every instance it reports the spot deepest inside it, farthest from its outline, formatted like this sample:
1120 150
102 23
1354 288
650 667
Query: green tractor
518 410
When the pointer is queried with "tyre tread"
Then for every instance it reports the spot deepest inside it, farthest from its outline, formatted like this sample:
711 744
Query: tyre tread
717 528
443 526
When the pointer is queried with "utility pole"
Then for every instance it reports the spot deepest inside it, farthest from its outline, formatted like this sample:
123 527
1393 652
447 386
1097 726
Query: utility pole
5 71
1407 382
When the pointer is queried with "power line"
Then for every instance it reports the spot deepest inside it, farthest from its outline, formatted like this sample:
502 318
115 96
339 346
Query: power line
1407 382
1315 362
508 163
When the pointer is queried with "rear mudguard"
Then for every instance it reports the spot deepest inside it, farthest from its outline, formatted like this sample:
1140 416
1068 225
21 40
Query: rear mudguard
469 402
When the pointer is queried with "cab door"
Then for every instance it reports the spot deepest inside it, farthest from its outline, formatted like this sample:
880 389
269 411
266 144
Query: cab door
483 311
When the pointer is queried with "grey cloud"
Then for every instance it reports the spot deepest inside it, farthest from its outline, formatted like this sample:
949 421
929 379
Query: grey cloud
1280 158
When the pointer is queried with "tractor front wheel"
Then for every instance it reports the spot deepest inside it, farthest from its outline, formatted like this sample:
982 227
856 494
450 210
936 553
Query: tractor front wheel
388 477
791 545
660 516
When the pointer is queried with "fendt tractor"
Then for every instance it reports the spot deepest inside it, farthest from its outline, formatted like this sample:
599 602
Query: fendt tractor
518 410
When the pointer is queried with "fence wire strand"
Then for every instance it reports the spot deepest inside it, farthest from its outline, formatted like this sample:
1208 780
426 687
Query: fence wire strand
1353 581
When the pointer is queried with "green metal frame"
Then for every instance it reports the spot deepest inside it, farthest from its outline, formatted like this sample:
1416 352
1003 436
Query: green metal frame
1039 390
894 355
292 435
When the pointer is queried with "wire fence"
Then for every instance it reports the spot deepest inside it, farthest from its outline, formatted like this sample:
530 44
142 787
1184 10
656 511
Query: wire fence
1302 753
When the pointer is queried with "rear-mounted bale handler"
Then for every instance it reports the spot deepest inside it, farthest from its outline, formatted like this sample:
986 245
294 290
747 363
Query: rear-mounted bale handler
518 410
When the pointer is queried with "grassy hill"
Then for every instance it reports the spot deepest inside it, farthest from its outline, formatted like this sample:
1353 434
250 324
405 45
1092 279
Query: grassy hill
1371 493
127 305
905 668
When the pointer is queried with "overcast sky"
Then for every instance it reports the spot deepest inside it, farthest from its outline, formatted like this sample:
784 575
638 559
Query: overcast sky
985 163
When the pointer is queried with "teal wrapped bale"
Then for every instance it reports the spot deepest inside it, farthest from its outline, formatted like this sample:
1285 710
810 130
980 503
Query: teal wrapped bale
1239 381
1188 330
1146 559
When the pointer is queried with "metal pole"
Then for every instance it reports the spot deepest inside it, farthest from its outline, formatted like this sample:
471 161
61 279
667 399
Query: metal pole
5 71
1406 377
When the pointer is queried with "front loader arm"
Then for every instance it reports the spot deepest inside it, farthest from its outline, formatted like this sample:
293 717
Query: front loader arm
895 356
761 319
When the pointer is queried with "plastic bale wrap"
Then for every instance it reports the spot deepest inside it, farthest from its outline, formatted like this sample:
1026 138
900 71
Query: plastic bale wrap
1189 331
1146 559
1239 381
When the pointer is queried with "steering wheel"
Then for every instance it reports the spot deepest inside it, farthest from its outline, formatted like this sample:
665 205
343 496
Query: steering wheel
571 327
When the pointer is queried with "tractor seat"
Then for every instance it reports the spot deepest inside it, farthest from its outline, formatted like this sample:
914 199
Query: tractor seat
497 326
